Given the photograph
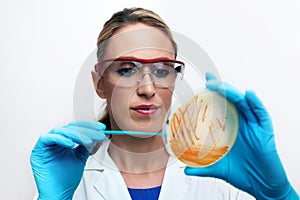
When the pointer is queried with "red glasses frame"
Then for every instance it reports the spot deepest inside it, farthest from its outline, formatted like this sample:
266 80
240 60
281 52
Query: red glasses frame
99 66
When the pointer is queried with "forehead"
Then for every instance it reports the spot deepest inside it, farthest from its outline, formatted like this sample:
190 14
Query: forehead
139 40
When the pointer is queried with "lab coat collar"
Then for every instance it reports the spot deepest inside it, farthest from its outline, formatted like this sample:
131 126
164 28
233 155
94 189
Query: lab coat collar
110 184
175 183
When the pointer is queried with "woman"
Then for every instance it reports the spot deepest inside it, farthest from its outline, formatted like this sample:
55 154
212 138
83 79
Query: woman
138 90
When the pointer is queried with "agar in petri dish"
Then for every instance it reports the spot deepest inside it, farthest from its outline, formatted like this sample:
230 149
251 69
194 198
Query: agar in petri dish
202 131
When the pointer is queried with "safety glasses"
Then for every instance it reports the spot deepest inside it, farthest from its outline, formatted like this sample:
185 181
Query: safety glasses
129 72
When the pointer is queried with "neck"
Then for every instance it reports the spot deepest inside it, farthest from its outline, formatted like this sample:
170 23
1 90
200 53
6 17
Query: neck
138 155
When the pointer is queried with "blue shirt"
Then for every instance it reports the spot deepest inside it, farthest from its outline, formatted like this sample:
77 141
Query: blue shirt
144 194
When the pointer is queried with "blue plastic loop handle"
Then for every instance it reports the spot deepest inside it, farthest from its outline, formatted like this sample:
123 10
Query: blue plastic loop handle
121 132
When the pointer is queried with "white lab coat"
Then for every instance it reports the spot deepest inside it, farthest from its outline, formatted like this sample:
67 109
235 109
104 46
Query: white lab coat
103 181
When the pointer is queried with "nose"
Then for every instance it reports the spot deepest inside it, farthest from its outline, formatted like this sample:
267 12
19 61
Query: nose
146 86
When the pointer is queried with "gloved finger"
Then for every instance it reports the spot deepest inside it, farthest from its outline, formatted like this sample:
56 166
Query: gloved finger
94 134
259 110
83 152
234 96
210 76
85 144
82 136
224 89
88 124
47 140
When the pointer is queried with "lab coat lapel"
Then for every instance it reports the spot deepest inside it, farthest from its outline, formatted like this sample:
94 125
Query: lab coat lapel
175 184
110 184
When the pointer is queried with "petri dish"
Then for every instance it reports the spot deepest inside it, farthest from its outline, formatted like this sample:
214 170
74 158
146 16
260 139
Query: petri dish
203 130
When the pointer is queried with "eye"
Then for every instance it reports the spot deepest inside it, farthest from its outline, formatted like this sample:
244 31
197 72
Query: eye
163 69
161 72
126 68
126 71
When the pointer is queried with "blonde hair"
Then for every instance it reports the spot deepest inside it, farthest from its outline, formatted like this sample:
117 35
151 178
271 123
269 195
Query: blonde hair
120 19
130 16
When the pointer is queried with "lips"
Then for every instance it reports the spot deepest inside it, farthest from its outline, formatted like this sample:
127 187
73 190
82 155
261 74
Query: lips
146 109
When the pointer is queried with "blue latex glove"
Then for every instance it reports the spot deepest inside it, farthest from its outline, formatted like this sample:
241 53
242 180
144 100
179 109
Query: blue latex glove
252 164
58 158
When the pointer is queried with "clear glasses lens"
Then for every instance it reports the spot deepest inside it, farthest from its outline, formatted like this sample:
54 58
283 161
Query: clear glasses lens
130 73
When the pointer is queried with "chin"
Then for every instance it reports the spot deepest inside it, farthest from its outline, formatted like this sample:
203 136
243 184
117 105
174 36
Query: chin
152 126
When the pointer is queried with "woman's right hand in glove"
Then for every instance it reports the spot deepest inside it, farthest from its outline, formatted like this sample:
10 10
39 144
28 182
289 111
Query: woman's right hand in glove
58 158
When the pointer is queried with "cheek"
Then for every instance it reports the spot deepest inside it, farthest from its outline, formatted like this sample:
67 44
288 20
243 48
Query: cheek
166 97
117 98
117 105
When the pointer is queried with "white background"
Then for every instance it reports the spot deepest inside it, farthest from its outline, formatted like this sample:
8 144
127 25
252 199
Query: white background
254 45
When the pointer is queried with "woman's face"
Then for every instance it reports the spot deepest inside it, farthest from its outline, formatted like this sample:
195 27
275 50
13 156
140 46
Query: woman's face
144 106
